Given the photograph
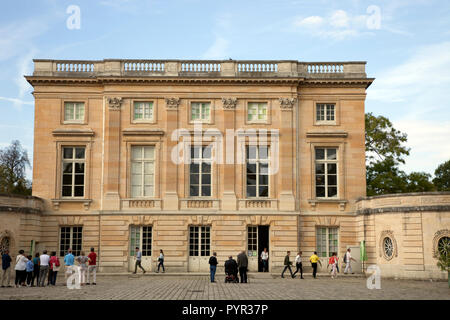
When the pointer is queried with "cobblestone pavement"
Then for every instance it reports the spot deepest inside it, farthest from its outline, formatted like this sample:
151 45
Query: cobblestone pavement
199 288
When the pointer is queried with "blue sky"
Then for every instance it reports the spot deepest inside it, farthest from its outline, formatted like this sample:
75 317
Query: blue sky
408 51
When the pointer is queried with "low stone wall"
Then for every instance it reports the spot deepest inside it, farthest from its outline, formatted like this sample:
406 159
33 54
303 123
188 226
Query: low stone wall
402 232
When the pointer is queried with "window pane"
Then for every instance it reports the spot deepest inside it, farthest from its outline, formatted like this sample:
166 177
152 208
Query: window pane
194 168
207 152
194 179
67 179
148 191
136 153
331 154
251 168
67 191
194 191
79 179
264 168
79 153
69 112
263 191
263 179
251 179
206 167
149 153
320 191
206 191
79 167
263 152
79 191
251 191
195 152
331 168
79 111
67 167
320 168
332 180
67 153
136 191
251 152
320 180
136 168
206 179
320 154
332 191
148 167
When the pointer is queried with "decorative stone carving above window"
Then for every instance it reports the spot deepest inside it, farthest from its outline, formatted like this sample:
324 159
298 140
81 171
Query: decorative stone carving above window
388 245
115 103
172 103
229 103
445 233
287 103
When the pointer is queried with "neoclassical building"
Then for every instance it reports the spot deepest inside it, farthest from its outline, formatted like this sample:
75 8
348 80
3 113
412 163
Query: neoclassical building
195 157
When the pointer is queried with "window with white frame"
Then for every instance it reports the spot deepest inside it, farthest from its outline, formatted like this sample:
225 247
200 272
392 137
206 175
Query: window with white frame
257 174
200 171
141 237
74 111
143 111
327 241
325 112
257 112
199 241
252 240
70 237
73 171
326 172
201 111
142 171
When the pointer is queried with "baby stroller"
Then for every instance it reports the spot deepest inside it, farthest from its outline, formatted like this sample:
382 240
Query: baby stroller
231 278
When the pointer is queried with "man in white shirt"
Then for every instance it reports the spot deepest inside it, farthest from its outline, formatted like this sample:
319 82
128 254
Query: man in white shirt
299 265
347 259
43 269
265 260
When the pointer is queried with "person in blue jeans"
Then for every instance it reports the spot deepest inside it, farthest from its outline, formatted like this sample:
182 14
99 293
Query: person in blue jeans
213 265
161 261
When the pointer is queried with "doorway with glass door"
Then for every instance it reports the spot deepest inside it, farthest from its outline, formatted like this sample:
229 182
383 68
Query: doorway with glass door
141 237
257 240
199 248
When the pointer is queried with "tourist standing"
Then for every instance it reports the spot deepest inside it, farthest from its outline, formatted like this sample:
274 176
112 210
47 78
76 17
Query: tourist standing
82 260
333 262
242 262
21 269
92 267
265 260
69 260
36 269
298 264
29 270
43 268
314 260
287 265
54 267
161 260
6 269
348 259
213 266
138 260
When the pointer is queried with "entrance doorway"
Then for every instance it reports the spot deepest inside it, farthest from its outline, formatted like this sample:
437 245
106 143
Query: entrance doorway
257 240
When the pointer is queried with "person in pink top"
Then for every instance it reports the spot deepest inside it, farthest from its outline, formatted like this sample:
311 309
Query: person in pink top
92 267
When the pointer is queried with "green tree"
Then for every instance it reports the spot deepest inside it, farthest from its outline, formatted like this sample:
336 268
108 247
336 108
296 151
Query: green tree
442 177
384 177
419 182
13 163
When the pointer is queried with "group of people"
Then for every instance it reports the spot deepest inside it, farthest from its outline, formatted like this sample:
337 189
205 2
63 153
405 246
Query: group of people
232 267
138 256
31 271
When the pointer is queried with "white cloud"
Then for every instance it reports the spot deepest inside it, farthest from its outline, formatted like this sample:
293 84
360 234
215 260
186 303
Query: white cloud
312 21
218 50
17 101
339 19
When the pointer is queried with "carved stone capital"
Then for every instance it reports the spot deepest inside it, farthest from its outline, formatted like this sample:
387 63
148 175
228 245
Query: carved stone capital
172 103
115 103
287 103
229 103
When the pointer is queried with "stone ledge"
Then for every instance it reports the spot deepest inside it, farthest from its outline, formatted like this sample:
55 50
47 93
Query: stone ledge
443 208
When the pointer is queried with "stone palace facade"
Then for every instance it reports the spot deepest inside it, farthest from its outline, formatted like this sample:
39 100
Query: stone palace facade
195 157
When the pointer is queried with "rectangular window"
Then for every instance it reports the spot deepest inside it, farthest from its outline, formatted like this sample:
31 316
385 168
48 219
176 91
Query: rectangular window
141 237
257 171
201 111
327 241
199 241
74 111
200 171
326 172
70 237
143 111
252 240
142 171
325 112
73 171
257 112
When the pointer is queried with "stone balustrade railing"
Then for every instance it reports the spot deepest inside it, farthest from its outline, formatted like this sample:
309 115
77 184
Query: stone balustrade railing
20 203
199 68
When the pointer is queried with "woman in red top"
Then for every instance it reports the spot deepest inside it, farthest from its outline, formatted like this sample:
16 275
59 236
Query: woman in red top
333 262
54 267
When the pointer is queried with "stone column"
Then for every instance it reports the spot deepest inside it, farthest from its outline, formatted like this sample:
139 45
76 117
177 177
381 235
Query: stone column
286 158
112 155
170 198
229 159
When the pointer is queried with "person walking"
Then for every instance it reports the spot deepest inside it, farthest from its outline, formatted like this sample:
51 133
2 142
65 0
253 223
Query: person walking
287 265
333 262
54 267
213 266
314 260
92 267
6 269
69 260
348 261
21 269
138 261
36 270
82 260
29 270
161 261
299 265
43 268
265 260
242 262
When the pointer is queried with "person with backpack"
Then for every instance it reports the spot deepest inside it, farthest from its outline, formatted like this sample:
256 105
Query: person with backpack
314 260
348 259
213 266
333 262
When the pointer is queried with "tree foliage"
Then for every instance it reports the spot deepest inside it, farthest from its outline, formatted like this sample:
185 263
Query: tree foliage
13 163
442 177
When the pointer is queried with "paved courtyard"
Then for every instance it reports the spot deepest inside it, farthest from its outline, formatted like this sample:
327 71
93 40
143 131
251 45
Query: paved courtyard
167 287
